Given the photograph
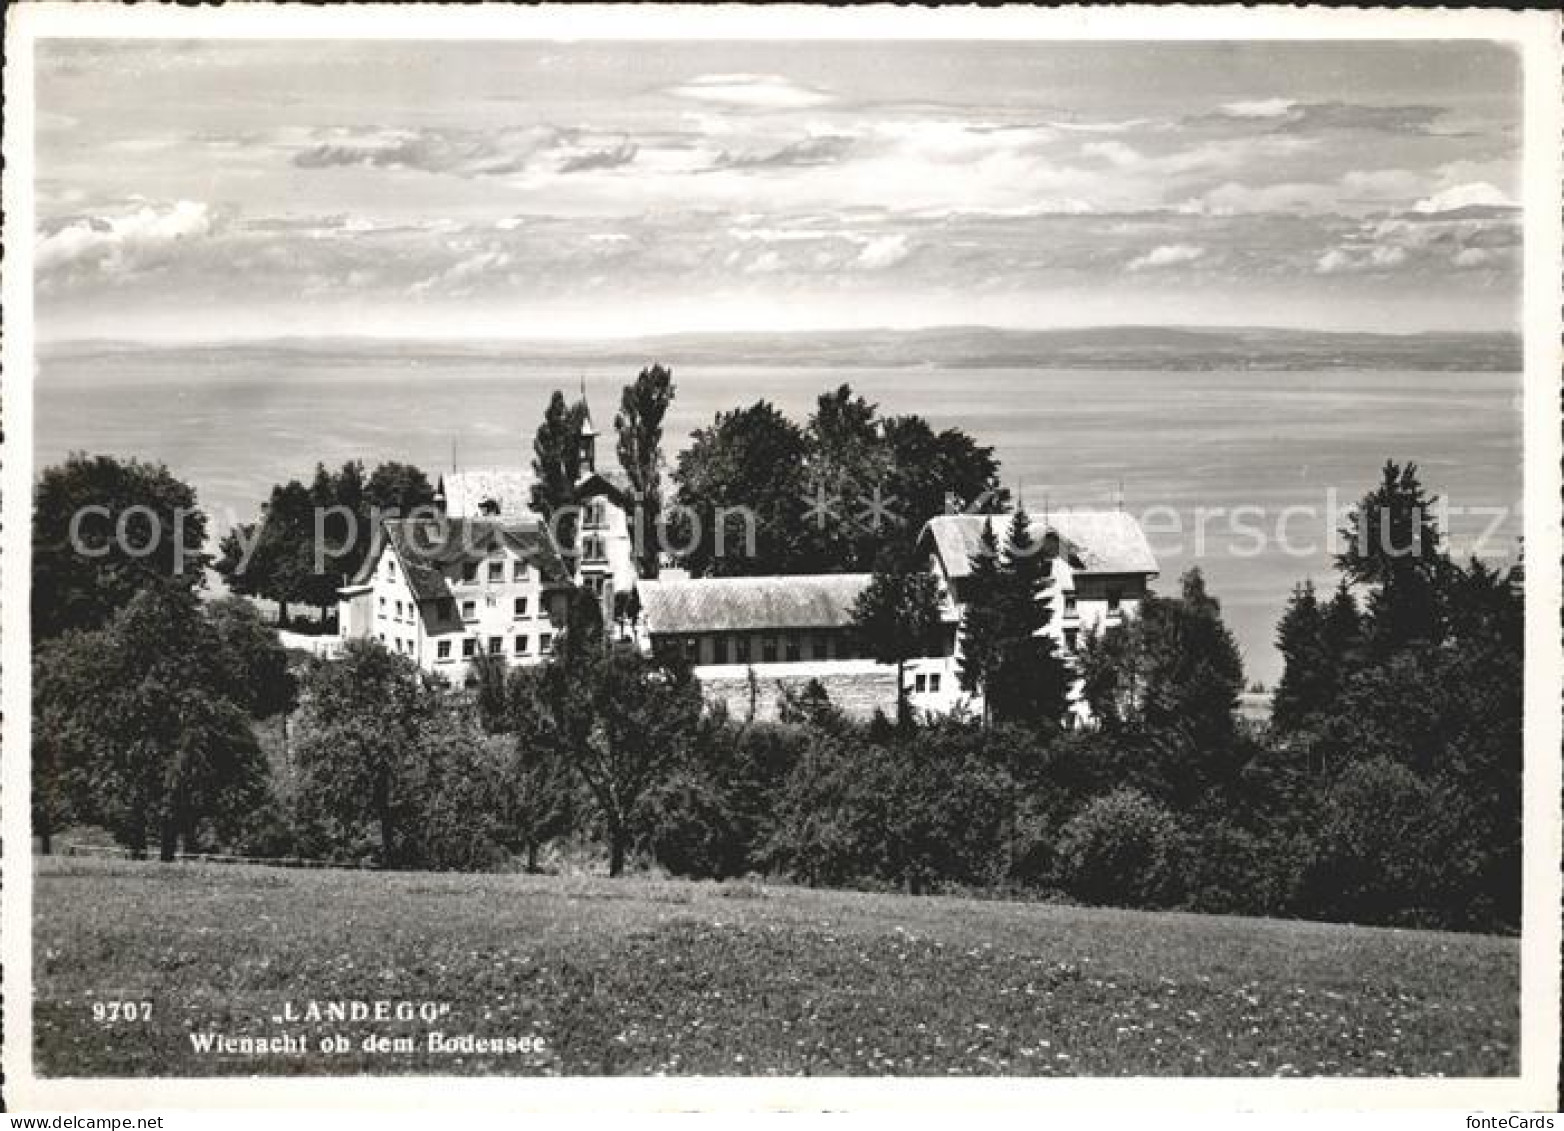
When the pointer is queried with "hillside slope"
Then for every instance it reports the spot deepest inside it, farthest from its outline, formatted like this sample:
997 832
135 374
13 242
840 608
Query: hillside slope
644 976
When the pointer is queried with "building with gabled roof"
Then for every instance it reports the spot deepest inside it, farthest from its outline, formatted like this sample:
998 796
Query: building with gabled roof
603 558
486 492
446 590
786 630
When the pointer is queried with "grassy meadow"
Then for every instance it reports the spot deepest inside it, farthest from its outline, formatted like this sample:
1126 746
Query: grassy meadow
647 976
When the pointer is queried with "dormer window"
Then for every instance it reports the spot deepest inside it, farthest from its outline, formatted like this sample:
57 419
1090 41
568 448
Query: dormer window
489 507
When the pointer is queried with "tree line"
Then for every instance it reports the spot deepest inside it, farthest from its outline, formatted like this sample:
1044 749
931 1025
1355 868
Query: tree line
1385 788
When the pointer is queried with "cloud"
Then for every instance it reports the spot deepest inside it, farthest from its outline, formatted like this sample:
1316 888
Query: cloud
1259 108
1470 257
460 152
1169 255
118 244
1343 260
882 252
752 92
1113 152
1476 195
824 149
1283 115
612 158
464 276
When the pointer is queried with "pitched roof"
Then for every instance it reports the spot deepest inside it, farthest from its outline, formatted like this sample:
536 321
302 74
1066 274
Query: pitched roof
1095 541
427 547
750 604
467 490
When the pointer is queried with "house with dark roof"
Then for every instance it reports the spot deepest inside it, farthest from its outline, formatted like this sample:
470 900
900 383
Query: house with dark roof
753 637
446 590
787 630
1101 570
603 557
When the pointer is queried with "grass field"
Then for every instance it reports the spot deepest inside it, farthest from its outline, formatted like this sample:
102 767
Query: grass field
643 976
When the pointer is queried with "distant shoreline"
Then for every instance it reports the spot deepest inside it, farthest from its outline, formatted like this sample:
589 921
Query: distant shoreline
1118 347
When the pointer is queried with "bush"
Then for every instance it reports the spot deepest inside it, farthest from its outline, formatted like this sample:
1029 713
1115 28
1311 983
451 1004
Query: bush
1375 857
1234 871
1123 849
689 829
928 812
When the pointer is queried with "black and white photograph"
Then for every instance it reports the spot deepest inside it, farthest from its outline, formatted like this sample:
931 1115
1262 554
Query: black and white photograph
790 543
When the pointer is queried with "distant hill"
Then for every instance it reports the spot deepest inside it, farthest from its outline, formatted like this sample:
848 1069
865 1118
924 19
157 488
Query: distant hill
969 347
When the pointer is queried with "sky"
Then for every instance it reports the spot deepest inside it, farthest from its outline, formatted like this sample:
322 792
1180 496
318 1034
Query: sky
249 189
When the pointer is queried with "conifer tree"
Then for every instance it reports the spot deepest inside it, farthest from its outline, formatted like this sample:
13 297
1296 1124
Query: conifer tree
980 621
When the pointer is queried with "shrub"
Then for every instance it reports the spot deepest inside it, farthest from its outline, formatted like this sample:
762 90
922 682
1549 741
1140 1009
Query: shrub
1375 857
689 828
1123 849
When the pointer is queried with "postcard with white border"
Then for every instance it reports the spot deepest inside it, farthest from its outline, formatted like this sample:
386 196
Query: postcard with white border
781 557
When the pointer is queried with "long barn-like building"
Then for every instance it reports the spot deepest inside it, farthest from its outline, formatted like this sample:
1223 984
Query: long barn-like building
787 630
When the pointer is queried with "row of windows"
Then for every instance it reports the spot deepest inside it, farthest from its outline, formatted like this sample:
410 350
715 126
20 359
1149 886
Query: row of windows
494 646
519 608
926 682
494 571
740 649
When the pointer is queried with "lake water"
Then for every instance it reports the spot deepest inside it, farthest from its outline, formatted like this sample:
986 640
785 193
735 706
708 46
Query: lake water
1184 445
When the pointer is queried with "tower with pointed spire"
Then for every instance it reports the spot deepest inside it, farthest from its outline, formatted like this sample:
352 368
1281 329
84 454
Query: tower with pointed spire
587 436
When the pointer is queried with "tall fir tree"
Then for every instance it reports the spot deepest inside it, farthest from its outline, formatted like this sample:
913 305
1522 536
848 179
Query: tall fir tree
1394 544
981 626
1305 682
1030 683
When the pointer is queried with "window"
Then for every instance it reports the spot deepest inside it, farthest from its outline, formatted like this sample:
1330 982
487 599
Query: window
546 642
382 604
469 571
496 571
521 607
817 648
1069 602
469 610
518 570
469 648
934 682
719 650
741 650
1072 637
692 649
1115 598
521 645
399 610
793 650
442 650
496 644
768 650
921 683
592 548
390 568
382 638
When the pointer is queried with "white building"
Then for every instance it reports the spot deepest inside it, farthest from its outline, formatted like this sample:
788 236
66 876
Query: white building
787 630
604 557
1101 571
444 591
